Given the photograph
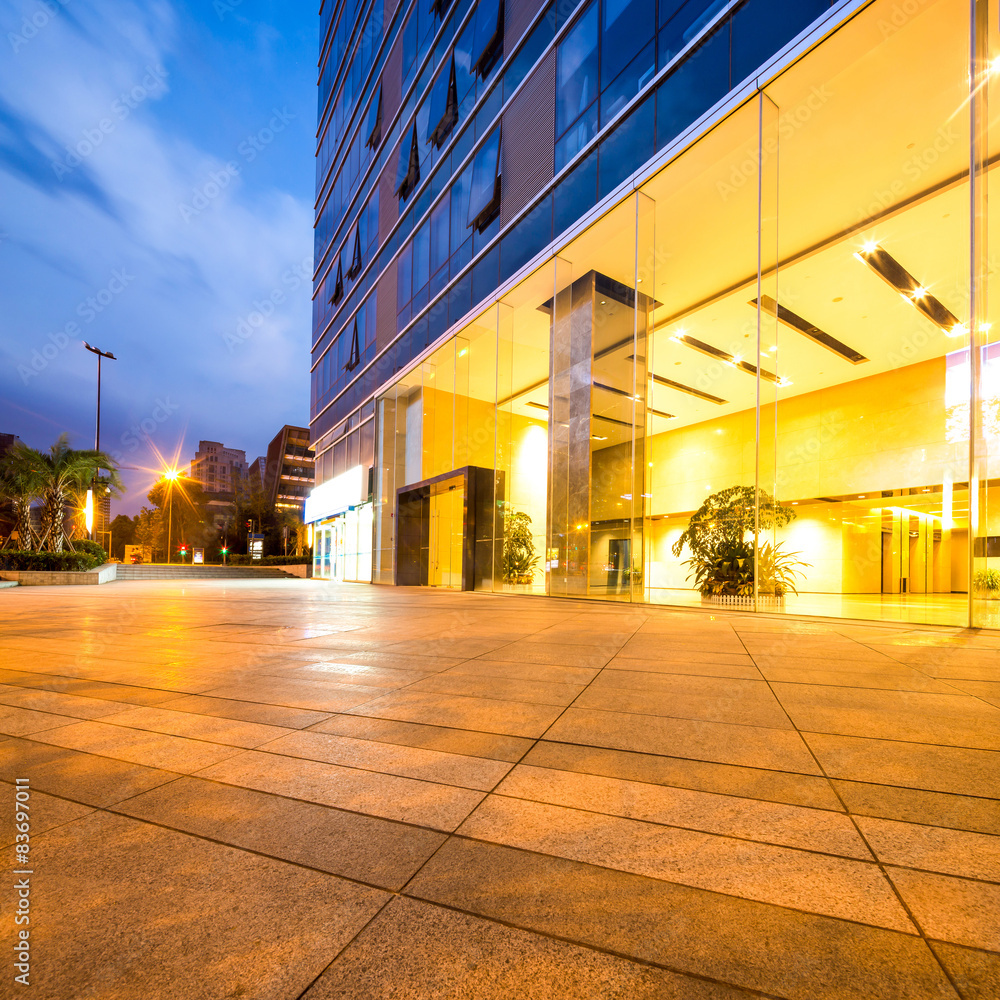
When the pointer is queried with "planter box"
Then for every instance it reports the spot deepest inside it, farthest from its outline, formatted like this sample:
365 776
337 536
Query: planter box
732 601
107 573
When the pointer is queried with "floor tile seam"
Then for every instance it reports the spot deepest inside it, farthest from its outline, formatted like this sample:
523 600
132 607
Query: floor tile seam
979 949
893 888
671 882
446 831
175 736
695 760
125 760
362 739
302 995
689 788
590 947
677 718
205 838
391 774
896 739
352 713
687 829
978 880
866 687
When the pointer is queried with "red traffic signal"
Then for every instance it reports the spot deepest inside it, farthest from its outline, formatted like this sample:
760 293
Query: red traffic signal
249 525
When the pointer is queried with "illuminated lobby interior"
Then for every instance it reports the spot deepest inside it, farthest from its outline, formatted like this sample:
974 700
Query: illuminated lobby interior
784 305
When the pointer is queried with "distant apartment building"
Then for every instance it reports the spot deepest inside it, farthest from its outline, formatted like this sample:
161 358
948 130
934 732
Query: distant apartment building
7 441
218 469
288 471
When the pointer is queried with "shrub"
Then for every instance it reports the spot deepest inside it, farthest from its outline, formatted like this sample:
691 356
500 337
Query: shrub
91 549
987 581
12 559
241 560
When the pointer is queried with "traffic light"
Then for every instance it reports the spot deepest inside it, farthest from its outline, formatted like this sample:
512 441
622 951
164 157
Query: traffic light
249 525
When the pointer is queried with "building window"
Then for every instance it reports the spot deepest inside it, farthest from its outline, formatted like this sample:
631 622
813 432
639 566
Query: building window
484 196
355 269
443 105
338 288
488 38
373 127
408 169
576 71
355 357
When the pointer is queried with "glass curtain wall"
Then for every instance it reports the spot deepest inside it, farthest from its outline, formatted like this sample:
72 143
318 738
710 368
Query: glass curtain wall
747 384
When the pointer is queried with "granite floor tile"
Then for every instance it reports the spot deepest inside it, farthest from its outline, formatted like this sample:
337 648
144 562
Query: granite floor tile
170 753
450 955
81 777
913 805
750 746
559 654
767 822
958 910
988 691
913 765
712 699
388 796
58 703
292 692
816 883
245 711
211 729
486 715
511 669
24 722
950 852
167 890
911 680
409 762
363 848
975 973
777 951
515 689
670 664
46 811
952 720
726 779
413 734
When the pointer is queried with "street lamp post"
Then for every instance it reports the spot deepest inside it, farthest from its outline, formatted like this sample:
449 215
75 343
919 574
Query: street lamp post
171 476
97 437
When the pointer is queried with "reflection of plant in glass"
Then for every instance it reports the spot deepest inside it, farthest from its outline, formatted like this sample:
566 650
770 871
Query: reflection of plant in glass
519 559
722 558
987 583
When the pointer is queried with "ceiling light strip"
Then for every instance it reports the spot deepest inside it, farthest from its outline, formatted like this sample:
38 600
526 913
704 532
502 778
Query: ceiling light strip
807 329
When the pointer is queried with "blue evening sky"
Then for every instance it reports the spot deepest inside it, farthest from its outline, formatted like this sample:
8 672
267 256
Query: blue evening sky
156 191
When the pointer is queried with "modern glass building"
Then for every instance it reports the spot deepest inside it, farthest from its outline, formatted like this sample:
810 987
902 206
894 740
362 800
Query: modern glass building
661 301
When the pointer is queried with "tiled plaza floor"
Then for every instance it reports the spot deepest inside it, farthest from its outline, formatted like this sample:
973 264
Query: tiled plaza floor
284 789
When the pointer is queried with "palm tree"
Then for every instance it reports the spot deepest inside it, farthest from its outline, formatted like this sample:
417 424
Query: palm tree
20 485
65 473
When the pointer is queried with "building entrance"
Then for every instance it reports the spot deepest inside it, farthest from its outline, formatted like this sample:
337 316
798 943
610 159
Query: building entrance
447 531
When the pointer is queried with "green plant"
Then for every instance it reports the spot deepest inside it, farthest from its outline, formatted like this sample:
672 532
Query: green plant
778 569
12 559
987 581
91 549
518 559
722 556
243 560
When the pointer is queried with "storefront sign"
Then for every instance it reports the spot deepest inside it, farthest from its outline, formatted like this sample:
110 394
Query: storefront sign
337 495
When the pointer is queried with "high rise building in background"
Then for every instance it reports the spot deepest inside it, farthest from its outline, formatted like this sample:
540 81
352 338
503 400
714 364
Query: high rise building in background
596 281
7 441
217 468
286 473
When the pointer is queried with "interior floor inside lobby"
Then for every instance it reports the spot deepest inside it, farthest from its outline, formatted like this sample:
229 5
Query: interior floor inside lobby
292 789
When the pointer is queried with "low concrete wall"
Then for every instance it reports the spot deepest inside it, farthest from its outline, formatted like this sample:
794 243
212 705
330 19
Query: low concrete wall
107 573
301 570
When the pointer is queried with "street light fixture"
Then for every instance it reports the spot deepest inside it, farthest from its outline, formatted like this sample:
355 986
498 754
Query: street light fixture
97 437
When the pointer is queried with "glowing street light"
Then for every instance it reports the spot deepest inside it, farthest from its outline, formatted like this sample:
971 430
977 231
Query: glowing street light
171 476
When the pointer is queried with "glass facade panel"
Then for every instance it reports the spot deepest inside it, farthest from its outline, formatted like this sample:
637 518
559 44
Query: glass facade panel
741 386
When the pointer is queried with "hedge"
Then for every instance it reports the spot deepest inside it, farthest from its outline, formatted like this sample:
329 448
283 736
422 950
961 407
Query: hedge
241 560
13 559
91 548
